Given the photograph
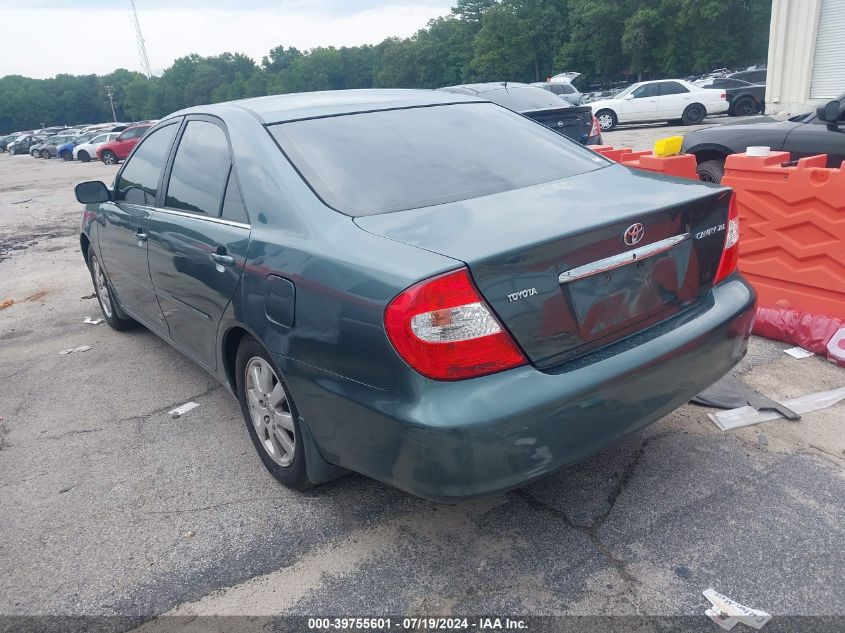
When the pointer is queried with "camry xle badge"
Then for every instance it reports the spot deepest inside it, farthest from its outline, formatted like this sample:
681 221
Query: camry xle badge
633 234
522 294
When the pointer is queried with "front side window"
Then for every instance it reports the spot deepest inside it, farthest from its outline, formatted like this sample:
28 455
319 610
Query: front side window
138 182
200 168
648 90
378 162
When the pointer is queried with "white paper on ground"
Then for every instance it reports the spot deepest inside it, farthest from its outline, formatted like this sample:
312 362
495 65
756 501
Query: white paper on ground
798 352
745 416
83 348
722 619
752 617
180 411
91 321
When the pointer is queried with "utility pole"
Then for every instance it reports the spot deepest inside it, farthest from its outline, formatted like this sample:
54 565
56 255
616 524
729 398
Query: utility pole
142 47
111 101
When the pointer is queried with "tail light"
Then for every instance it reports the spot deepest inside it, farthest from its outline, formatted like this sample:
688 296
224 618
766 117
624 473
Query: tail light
730 253
724 95
595 130
443 329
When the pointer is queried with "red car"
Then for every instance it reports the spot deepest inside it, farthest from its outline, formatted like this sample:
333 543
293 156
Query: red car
118 149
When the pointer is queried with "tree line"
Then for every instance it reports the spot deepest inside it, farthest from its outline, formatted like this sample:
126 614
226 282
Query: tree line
481 40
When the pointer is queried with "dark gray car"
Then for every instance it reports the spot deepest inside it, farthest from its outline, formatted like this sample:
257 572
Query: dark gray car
419 286
802 135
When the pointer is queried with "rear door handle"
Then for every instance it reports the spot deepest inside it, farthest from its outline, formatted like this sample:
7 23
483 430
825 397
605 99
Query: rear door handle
222 260
142 237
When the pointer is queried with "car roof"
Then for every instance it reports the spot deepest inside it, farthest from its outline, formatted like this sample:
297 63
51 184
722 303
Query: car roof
307 105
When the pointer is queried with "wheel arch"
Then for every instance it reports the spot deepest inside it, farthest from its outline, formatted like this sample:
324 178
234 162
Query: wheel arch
85 246
709 151
318 469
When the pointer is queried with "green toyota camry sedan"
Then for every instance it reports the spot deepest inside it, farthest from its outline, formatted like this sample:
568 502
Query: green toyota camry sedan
423 287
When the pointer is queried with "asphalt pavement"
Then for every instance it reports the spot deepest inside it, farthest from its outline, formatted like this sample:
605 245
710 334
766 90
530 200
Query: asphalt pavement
110 507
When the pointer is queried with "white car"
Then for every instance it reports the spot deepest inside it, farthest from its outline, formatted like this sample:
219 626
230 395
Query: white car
662 100
85 151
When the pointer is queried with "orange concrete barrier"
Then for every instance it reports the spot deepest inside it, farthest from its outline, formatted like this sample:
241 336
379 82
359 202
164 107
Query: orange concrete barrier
792 228
681 165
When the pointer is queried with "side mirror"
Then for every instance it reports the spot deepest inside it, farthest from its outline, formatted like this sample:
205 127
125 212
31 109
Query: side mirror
829 113
630 95
92 192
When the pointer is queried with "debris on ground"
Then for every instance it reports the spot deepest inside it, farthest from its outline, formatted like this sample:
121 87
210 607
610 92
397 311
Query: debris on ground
6 303
731 392
178 412
728 613
22 201
38 296
91 321
762 440
798 352
745 416
70 350
188 534
91 296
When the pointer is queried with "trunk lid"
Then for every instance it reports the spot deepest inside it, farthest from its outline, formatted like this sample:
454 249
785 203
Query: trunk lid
553 263
574 122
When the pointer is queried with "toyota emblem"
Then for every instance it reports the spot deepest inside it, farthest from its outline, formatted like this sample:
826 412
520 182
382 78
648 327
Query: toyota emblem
634 234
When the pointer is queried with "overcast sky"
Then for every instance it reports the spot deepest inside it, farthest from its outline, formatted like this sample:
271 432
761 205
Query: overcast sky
42 38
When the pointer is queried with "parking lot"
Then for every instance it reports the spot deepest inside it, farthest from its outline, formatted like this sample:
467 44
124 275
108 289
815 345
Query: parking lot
110 507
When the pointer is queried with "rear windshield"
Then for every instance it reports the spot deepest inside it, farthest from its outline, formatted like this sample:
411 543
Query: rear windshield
378 162
525 98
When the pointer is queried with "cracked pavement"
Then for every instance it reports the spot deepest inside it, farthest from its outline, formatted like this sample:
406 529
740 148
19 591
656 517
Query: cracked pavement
111 507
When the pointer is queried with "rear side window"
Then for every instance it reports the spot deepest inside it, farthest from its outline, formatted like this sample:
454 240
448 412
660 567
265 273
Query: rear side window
567 89
200 169
138 182
525 98
671 88
233 204
377 162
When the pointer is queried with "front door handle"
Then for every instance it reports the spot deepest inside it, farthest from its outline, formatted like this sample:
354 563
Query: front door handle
222 260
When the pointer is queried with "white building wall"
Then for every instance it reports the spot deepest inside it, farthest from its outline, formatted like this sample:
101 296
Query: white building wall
792 42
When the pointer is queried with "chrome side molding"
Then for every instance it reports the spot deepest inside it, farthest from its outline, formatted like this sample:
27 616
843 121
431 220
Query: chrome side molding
622 259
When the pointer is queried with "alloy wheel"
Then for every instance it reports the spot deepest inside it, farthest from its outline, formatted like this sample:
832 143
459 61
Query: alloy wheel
102 288
605 122
270 411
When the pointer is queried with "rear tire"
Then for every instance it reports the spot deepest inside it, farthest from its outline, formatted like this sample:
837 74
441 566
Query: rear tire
105 297
711 170
607 120
745 107
270 415
109 158
45 154
83 156
66 155
694 113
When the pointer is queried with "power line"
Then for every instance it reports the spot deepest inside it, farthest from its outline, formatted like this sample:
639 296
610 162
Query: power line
142 47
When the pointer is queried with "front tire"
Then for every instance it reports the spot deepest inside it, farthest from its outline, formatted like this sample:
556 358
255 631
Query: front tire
694 113
607 120
83 156
109 158
270 415
711 170
105 296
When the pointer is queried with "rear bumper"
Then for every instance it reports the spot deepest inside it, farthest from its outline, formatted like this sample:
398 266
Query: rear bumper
449 441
